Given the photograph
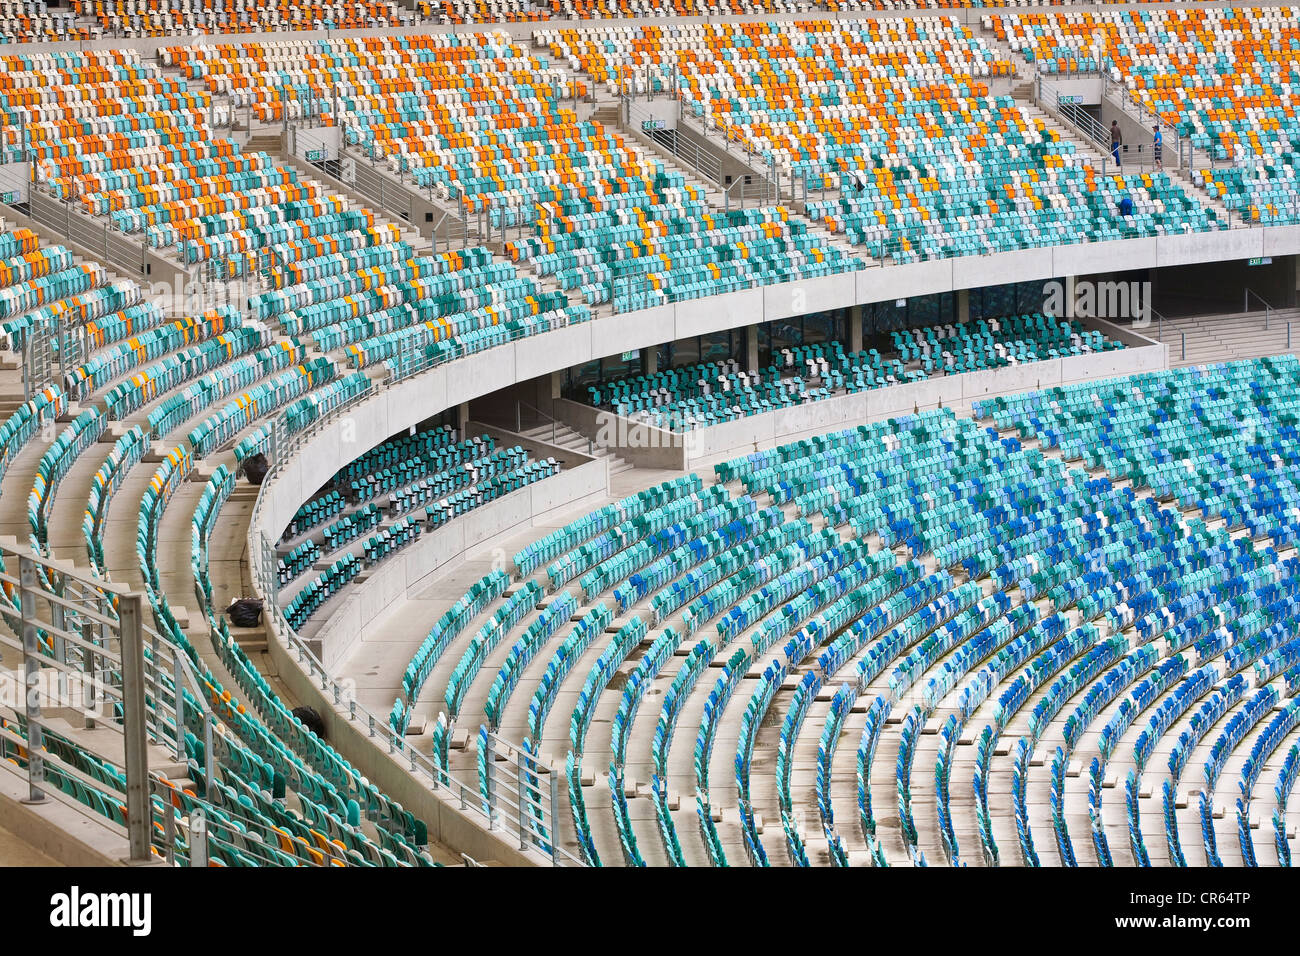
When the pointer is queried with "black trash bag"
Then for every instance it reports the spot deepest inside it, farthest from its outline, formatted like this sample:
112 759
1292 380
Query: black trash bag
311 720
255 468
246 612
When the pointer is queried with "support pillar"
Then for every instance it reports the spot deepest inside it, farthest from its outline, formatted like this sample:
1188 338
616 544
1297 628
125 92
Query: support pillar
855 328
963 305
1069 298
650 360
751 348
462 418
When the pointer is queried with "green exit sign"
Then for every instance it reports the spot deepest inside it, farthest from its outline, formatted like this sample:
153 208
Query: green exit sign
9 198
315 155
1260 261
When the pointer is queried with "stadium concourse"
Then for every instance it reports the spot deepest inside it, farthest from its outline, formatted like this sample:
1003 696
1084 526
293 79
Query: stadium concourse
574 433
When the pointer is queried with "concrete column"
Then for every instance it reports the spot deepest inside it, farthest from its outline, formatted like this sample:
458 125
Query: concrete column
462 418
1069 298
751 348
963 305
855 328
557 382
650 360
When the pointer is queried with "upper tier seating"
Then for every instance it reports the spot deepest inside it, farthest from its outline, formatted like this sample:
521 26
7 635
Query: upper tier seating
1225 79
31 21
179 17
158 172
479 122
926 162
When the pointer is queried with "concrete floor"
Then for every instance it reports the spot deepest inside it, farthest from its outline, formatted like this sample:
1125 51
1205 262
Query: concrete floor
15 851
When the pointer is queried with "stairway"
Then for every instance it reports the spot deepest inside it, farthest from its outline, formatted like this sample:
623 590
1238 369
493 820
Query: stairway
1225 338
570 440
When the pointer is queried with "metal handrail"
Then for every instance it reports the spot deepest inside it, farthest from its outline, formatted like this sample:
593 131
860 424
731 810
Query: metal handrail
1268 309
700 159
1084 122
520 405
83 617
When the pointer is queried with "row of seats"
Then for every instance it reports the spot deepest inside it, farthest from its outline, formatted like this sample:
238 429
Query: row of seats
331 797
1219 437
152 18
700 395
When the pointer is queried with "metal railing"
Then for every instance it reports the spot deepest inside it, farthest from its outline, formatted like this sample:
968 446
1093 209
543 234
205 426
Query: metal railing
706 163
1083 121
87 655
747 191
125 255
1268 309
390 197
452 230
519 418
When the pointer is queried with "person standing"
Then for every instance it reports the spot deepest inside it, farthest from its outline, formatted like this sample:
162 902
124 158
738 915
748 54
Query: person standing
1116 141
1156 143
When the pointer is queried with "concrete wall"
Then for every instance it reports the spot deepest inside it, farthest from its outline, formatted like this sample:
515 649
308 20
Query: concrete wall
15 178
1137 137
323 138
367 604
1088 87
661 111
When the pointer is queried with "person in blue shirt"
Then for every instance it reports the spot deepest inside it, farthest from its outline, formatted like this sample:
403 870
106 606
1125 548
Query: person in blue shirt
1126 207
1156 143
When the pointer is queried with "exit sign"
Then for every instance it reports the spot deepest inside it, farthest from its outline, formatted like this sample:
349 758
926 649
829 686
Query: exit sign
1260 261
315 155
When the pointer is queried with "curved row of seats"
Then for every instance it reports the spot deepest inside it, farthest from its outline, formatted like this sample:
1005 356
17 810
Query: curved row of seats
1143 605
327 826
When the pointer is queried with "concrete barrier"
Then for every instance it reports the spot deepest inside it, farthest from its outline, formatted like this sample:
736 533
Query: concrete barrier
366 604
745 435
